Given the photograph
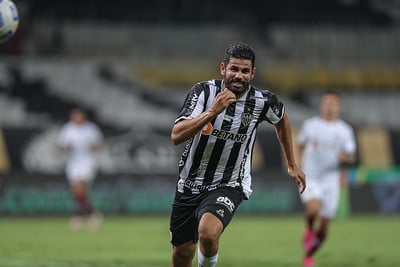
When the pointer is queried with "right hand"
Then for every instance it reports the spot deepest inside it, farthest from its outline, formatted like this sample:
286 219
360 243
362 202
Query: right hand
222 101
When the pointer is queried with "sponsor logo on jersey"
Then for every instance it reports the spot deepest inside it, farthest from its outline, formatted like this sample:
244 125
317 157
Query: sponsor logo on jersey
192 106
207 129
185 152
224 135
228 118
202 188
193 102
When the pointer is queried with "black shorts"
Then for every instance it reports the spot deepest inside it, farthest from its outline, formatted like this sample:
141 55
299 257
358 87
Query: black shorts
188 209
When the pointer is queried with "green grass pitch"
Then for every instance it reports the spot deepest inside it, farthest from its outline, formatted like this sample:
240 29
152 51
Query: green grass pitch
143 241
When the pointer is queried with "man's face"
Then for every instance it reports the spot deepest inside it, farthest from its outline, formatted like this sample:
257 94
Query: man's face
78 117
237 75
330 107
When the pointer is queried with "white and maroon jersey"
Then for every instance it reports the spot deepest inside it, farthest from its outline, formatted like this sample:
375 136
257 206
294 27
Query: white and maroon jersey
323 141
81 139
221 154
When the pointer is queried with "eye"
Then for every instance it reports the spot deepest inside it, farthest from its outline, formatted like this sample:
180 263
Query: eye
234 68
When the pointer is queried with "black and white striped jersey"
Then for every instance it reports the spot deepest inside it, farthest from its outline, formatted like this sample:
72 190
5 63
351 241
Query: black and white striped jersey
221 154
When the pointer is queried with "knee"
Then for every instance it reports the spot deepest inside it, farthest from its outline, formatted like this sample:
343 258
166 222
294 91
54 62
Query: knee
208 236
313 207
210 229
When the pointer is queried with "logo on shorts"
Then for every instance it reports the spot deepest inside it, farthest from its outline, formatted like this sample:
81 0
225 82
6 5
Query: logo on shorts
220 212
226 202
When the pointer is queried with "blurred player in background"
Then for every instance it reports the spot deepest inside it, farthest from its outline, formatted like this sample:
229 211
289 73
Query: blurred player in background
325 143
81 138
218 122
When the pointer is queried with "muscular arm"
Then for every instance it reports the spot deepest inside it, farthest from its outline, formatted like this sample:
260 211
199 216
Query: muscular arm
284 134
186 129
299 153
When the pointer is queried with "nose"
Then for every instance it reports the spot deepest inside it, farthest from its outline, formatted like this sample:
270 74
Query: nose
239 75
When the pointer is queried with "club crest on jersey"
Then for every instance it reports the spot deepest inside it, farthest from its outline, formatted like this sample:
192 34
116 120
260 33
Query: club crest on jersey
246 119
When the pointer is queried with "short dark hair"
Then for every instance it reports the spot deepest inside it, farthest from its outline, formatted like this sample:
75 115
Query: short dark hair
332 92
240 51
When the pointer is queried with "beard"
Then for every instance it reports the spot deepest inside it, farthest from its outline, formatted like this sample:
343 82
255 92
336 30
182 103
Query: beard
237 90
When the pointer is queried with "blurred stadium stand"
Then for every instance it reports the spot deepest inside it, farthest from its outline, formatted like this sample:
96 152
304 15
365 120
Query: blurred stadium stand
120 60
130 63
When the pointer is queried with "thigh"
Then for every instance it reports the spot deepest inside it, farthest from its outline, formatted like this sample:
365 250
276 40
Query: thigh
183 222
313 191
330 200
222 202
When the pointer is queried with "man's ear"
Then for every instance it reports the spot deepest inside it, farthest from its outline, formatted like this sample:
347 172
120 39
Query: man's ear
222 68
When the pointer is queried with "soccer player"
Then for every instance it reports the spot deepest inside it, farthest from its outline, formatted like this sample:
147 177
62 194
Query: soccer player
218 122
324 144
81 138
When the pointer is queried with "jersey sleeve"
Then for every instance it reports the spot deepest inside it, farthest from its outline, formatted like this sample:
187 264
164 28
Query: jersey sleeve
302 136
275 109
63 138
193 105
349 144
97 134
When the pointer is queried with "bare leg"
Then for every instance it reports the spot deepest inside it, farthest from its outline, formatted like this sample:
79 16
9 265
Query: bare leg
321 235
312 210
81 198
210 230
310 237
182 255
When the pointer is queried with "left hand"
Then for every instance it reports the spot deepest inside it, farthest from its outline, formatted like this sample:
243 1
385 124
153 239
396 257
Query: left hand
300 178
